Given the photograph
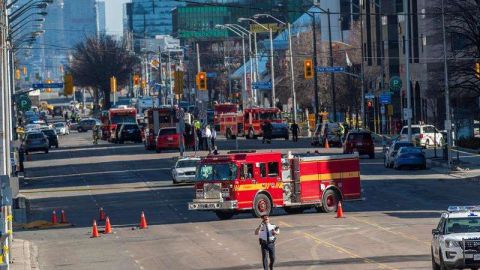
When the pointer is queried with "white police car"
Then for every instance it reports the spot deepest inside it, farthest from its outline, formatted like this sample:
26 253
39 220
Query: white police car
456 240
185 170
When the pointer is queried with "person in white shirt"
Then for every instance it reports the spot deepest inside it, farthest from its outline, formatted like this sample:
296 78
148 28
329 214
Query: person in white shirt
267 234
214 137
208 135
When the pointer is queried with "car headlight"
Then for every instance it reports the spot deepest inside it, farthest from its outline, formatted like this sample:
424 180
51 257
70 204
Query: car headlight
452 243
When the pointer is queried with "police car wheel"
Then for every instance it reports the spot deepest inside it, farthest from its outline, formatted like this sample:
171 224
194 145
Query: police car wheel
442 264
435 266
224 214
262 205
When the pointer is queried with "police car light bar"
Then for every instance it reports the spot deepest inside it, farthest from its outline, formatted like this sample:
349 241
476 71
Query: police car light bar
470 208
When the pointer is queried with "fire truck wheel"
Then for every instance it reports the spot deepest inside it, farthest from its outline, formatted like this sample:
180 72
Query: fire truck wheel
262 205
224 214
329 202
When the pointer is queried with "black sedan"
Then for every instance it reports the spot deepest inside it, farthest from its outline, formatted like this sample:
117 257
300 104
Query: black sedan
129 132
52 137
279 130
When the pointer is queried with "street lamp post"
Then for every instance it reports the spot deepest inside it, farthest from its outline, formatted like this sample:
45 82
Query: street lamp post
250 34
448 120
242 35
290 48
272 69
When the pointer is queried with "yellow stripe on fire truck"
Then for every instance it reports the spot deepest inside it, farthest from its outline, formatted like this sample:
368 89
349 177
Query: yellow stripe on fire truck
261 186
329 176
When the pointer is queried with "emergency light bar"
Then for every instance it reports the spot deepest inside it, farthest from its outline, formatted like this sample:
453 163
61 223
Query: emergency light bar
468 208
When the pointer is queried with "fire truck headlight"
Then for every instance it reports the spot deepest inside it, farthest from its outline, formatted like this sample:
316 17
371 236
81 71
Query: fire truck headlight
199 194
225 192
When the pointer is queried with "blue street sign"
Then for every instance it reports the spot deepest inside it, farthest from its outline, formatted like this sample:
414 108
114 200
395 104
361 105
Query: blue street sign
262 85
385 99
330 69
369 96
47 85
211 74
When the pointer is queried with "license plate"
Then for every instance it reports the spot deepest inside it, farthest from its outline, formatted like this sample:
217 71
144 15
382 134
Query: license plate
169 139
359 144
476 257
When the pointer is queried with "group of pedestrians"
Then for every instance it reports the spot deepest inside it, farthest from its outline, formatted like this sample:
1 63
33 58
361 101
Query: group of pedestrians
206 137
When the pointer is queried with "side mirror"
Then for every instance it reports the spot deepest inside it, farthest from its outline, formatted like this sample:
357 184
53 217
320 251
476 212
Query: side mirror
435 232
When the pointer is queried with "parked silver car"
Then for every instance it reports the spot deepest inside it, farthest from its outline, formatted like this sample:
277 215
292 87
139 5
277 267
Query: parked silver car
185 170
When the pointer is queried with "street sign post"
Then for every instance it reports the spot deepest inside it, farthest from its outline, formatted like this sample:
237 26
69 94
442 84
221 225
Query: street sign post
385 99
395 83
369 96
330 69
262 85
47 85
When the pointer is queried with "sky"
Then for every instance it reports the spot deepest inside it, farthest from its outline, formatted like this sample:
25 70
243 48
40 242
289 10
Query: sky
114 14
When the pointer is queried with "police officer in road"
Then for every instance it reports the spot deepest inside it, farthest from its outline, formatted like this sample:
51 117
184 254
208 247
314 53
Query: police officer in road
267 234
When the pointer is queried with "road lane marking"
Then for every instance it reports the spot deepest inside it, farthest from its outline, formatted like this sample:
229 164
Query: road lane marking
378 226
339 249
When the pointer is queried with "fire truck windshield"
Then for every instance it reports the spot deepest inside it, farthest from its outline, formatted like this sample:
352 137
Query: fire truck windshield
124 119
269 116
217 172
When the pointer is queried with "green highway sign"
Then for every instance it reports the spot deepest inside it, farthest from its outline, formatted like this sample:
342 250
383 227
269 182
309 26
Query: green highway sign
24 103
395 84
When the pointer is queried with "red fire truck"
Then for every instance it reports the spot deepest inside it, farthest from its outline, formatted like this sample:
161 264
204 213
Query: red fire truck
114 117
248 123
157 118
246 181
220 109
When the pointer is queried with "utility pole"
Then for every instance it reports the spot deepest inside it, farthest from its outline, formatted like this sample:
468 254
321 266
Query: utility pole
448 120
315 64
272 68
407 68
332 75
294 95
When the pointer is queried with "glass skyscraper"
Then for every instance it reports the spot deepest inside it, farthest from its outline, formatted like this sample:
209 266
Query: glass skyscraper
152 17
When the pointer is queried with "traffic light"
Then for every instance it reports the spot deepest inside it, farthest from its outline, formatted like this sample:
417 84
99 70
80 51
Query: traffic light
136 80
308 68
17 74
113 84
179 84
48 90
24 71
369 104
68 85
477 70
202 81
144 84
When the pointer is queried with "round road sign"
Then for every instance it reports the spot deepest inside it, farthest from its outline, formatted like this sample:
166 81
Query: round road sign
24 103
395 83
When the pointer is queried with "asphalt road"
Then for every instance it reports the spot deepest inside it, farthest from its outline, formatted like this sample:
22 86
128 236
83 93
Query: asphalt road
390 229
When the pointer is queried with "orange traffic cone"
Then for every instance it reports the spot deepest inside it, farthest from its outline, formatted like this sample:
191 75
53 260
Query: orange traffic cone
95 230
339 210
108 227
63 218
54 217
326 144
102 214
143 221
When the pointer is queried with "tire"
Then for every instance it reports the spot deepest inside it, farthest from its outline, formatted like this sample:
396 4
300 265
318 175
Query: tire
435 266
157 150
46 151
442 264
80 129
371 156
224 215
286 138
293 211
56 146
427 143
121 141
423 167
262 205
26 152
329 201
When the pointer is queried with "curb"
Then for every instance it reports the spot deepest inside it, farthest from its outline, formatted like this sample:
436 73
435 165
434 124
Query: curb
468 150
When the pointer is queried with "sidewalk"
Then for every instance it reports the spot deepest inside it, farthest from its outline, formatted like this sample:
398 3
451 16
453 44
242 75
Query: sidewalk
23 253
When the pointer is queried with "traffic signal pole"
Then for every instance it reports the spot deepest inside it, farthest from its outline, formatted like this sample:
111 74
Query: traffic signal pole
407 68
448 120
315 64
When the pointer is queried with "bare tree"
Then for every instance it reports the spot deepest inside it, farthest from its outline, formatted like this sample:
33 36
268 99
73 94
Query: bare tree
95 60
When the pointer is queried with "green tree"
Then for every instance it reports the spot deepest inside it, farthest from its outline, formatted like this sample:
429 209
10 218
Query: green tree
95 60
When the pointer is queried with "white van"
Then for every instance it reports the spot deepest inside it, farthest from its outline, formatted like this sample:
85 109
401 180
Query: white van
423 135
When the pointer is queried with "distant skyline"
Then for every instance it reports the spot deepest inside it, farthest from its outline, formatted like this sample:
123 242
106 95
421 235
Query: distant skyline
114 16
